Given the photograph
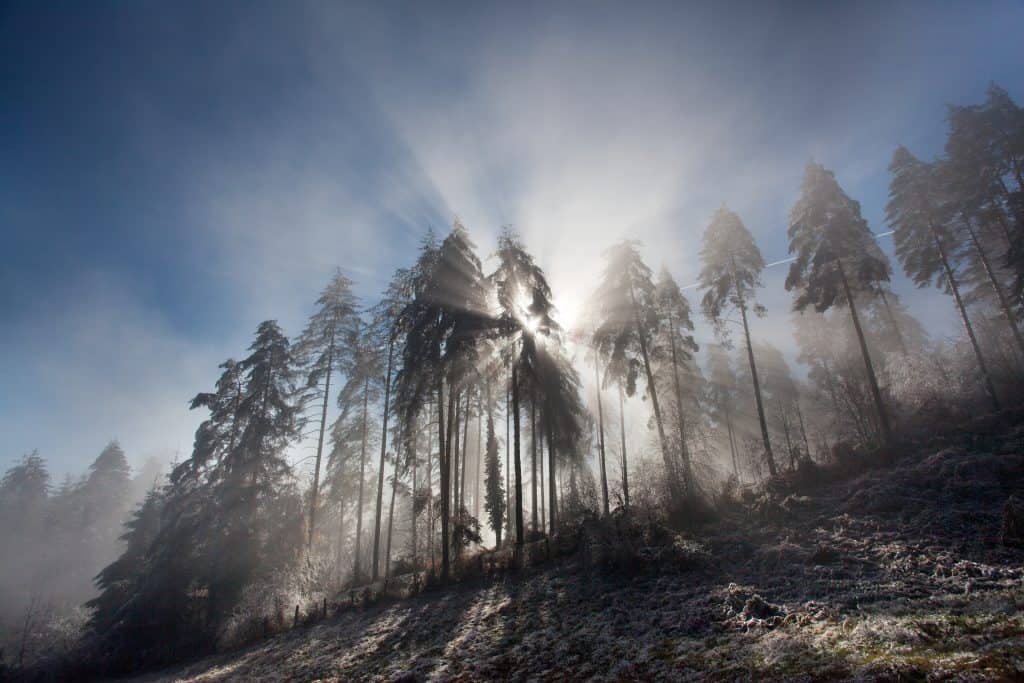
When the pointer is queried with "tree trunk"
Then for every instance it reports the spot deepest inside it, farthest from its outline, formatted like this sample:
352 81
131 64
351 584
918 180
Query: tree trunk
757 390
391 519
732 444
356 570
622 426
680 416
508 459
652 390
1004 305
415 491
540 481
789 441
534 508
465 456
517 458
876 394
430 486
479 453
552 491
600 427
383 451
892 321
803 432
951 279
320 444
444 464
455 449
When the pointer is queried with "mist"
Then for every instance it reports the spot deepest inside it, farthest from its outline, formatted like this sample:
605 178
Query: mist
206 205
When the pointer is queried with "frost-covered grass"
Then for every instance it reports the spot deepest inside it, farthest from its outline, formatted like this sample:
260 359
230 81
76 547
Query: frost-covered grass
896 574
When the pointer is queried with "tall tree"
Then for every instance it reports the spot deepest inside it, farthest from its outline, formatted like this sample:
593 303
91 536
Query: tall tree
986 157
836 260
443 323
924 240
526 320
361 388
251 477
320 350
387 334
731 271
675 332
628 319
494 500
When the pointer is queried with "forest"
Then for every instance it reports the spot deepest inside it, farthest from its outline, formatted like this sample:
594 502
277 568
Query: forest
464 445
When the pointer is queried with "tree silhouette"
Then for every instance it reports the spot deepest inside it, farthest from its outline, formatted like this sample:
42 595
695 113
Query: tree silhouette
925 245
836 259
320 350
676 329
627 321
387 334
525 319
444 321
494 500
732 266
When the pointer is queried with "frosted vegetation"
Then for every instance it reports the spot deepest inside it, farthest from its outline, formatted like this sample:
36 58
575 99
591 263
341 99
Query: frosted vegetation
472 512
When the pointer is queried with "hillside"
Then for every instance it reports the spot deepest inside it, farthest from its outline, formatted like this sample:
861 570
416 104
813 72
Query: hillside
909 572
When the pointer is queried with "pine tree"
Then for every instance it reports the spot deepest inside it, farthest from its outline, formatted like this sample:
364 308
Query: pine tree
836 260
494 501
675 332
732 266
723 396
117 582
628 321
526 321
251 477
925 244
387 333
443 323
321 350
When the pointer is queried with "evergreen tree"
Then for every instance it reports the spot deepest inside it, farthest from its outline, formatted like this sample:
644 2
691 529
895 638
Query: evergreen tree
443 322
675 332
526 320
628 321
253 475
117 582
361 389
732 266
494 501
388 334
986 162
320 349
925 245
722 390
836 260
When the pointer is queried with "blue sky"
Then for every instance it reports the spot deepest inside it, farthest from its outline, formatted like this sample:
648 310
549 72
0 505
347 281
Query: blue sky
173 173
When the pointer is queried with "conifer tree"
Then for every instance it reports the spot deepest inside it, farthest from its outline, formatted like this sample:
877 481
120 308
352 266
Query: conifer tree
320 350
732 266
494 500
925 244
836 260
628 320
675 332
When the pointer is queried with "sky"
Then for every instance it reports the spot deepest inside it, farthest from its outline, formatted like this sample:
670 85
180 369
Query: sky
171 174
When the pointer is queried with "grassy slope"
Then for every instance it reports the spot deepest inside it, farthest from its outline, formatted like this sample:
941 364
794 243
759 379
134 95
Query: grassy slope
893 574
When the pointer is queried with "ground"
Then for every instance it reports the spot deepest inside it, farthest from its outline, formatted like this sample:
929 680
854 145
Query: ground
899 573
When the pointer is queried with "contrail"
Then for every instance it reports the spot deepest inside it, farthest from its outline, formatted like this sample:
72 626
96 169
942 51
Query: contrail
788 260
